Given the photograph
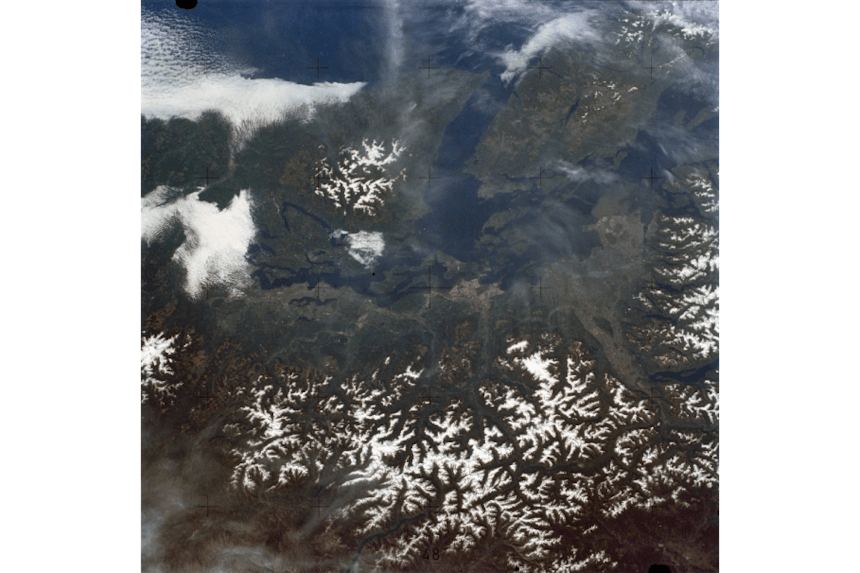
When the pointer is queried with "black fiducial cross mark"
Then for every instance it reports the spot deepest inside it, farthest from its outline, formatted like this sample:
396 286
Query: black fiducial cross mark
317 67
658 427
539 177
319 179
318 505
540 67
429 397
208 177
318 404
428 67
651 177
208 506
540 288
651 67
652 402
429 177
416 411
318 287
205 394
430 288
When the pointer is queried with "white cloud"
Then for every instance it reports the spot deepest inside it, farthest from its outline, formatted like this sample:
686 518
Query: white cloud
216 241
241 100
570 27
507 11
577 173
181 77
396 48
364 246
695 19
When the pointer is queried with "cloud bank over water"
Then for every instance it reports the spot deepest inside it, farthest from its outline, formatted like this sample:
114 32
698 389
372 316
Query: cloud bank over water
183 76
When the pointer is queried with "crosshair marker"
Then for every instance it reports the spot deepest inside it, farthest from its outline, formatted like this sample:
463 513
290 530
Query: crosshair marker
416 407
319 179
428 67
540 67
205 395
429 397
318 506
539 177
317 67
540 288
207 506
208 177
651 178
429 178
318 287
651 67
429 288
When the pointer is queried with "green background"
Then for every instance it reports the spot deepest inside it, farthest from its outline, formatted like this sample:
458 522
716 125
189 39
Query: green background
70 406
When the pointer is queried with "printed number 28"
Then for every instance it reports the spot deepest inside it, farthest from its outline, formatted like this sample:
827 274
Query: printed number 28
435 553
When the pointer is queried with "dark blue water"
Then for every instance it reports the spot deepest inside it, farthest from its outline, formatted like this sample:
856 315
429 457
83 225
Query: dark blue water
677 98
570 111
351 38
284 39
644 157
457 213
692 376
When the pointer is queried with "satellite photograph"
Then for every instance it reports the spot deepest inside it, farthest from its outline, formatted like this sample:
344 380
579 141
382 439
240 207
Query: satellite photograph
429 286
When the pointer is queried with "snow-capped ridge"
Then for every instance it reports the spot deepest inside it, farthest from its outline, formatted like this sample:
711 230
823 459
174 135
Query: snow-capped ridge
362 179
